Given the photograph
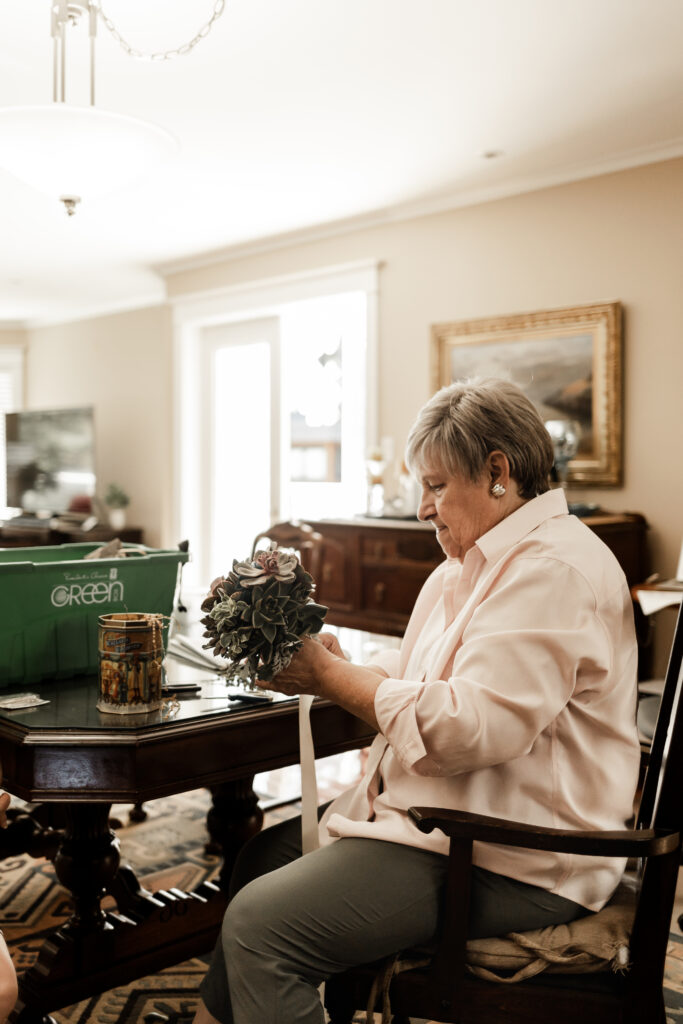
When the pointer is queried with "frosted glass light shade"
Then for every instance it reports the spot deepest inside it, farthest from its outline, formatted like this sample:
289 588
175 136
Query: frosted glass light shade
82 152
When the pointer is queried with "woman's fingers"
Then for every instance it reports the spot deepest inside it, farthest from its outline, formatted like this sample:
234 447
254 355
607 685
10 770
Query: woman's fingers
330 642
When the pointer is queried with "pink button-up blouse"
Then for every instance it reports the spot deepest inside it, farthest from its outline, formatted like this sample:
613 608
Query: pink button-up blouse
513 694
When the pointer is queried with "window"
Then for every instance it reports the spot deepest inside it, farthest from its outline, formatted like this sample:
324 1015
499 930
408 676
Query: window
323 398
275 406
11 399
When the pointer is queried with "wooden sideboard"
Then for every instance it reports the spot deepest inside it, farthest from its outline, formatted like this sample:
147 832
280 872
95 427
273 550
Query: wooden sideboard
372 569
34 536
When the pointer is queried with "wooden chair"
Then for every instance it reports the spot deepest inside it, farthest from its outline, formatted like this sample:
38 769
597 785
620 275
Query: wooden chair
446 991
301 537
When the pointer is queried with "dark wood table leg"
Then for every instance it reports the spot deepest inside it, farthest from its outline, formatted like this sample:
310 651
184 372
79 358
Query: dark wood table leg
86 862
234 817
96 950
137 813
25 833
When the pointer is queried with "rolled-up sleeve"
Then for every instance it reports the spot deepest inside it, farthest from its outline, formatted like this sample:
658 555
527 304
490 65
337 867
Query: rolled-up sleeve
513 668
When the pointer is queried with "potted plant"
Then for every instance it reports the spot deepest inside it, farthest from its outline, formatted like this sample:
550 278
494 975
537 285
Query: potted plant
116 501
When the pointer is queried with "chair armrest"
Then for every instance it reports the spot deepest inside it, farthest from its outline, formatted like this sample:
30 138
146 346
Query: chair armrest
480 827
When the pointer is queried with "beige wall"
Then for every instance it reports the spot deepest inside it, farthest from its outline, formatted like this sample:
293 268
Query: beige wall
12 336
615 237
618 236
15 337
121 364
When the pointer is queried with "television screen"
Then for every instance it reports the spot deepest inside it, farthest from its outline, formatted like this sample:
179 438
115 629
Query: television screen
50 459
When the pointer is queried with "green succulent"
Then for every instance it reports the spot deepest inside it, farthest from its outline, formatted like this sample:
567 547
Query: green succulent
258 615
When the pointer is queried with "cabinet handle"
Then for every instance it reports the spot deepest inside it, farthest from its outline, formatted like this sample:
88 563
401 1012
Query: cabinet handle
380 591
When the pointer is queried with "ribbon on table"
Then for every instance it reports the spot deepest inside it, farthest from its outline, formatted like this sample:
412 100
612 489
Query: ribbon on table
309 785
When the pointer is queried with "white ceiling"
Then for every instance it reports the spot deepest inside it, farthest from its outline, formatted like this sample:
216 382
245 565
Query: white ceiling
293 114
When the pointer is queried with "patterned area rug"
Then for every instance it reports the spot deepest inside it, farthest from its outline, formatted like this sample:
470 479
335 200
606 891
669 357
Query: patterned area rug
166 850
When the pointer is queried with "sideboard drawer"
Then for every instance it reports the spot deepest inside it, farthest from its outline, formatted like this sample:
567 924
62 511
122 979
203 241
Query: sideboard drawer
334 584
392 590
408 546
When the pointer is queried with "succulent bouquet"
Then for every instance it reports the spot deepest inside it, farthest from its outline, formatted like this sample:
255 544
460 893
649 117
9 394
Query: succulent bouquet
258 615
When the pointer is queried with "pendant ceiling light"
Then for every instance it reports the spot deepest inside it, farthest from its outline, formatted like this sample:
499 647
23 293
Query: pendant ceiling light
77 153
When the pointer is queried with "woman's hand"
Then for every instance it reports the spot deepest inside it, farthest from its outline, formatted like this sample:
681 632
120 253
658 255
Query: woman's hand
304 674
330 642
320 668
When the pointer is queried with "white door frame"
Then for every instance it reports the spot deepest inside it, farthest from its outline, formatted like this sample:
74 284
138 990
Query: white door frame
192 313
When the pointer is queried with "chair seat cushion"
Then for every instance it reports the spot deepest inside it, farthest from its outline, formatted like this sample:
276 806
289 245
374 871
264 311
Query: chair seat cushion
596 942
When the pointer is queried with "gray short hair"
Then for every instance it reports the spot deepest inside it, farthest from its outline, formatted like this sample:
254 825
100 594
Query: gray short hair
463 423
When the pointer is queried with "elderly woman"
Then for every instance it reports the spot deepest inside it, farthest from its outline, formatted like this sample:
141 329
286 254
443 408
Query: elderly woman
513 694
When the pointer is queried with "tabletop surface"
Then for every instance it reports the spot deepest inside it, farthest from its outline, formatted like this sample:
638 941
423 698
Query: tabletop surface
72 706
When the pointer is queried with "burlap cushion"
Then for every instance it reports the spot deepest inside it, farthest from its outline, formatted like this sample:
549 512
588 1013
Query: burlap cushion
597 942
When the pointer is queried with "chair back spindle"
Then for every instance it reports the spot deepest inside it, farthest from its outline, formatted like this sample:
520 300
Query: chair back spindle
661 805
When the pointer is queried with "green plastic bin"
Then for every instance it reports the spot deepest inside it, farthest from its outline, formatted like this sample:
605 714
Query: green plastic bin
51 598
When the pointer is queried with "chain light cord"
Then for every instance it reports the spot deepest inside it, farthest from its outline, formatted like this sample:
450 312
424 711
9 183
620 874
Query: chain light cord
180 51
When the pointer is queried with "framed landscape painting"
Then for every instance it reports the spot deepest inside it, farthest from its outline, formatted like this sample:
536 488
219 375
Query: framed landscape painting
568 362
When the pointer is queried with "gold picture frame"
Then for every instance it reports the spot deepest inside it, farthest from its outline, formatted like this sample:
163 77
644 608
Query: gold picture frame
568 361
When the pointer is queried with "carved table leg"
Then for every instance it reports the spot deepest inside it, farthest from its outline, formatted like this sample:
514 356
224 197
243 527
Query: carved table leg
86 863
95 951
234 817
26 834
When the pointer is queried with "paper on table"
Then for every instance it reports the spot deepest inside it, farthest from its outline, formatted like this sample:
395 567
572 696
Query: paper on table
652 600
16 701
186 649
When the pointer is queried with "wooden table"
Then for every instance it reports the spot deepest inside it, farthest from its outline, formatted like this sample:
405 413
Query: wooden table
68 754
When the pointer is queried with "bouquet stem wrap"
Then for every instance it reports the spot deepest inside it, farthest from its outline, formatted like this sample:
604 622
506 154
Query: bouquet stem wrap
309 784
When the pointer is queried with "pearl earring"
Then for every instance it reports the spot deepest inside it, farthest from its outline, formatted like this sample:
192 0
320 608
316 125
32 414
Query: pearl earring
497 490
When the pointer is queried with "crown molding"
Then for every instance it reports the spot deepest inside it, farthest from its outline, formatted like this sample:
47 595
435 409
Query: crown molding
427 206
264 294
